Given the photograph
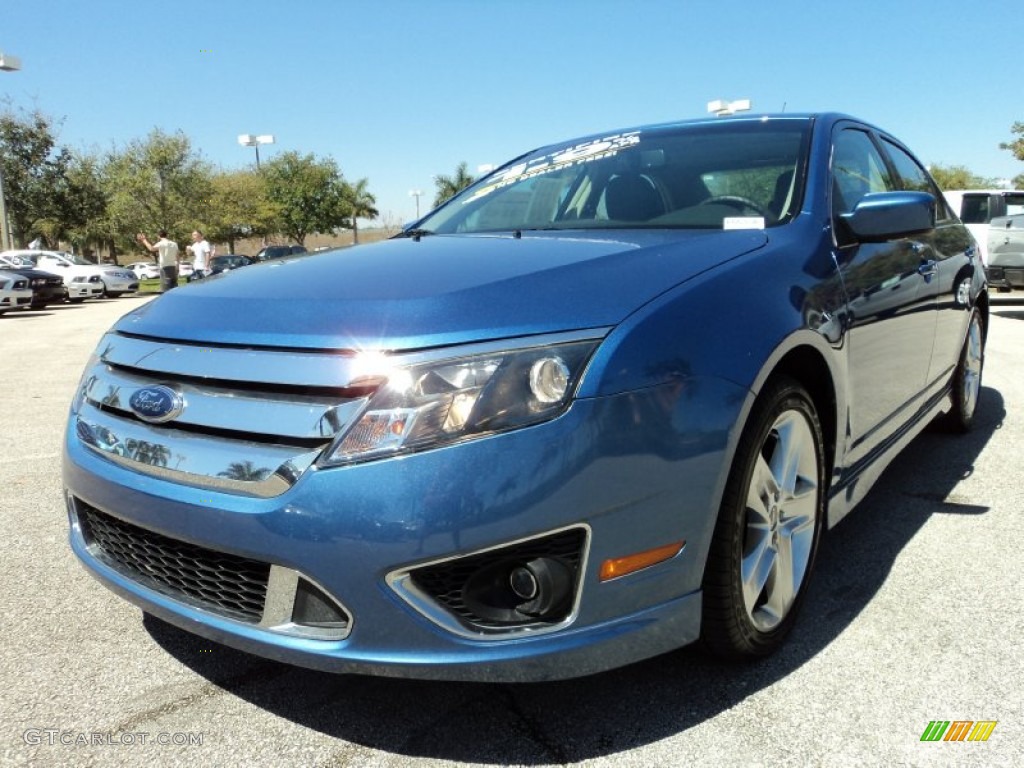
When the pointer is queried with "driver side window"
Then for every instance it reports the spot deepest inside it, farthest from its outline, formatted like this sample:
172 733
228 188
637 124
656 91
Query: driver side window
857 170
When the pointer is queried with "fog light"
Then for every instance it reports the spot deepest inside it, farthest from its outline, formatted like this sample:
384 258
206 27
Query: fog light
523 583
517 592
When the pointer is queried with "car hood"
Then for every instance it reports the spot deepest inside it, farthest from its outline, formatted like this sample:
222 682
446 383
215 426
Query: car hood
439 290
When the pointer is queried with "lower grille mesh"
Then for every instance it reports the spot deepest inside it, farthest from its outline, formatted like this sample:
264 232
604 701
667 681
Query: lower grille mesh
234 587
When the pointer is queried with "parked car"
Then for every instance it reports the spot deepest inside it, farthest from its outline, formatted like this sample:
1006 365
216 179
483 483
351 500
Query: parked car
1006 252
599 405
46 288
977 207
15 292
76 287
227 262
278 252
145 270
112 281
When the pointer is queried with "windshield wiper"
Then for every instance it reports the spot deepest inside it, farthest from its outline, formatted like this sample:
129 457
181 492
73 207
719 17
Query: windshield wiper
415 234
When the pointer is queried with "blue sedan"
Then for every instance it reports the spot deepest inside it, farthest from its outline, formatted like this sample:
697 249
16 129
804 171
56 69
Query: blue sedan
601 404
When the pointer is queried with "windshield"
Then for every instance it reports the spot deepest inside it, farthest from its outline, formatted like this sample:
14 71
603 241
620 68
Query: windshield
731 175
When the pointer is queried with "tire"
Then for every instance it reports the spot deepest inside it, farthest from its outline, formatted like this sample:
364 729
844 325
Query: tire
769 525
75 301
966 385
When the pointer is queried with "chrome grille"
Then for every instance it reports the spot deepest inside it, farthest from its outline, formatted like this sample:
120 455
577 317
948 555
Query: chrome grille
234 587
251 420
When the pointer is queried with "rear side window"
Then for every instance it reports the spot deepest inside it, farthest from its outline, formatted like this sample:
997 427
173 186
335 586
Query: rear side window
914 177
975 209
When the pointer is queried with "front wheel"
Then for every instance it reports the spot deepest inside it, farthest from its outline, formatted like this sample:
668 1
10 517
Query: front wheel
768 529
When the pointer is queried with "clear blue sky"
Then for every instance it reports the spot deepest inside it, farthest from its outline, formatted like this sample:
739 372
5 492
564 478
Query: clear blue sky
400 90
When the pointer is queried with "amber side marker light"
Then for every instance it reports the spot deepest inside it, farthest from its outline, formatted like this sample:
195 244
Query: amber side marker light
621 566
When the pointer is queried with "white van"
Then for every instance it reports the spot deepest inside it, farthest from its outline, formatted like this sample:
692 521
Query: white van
977 207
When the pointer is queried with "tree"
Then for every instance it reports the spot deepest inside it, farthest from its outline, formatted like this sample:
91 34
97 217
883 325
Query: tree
309 194
958 177
1017 145
34 172
157 183
1017 148
238 207
362 204
449 186
86 223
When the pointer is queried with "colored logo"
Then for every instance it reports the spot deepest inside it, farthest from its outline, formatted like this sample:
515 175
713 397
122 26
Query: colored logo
156 404
959 730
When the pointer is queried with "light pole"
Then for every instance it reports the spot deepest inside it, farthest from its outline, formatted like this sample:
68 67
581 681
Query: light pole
249 140
8 63
416 193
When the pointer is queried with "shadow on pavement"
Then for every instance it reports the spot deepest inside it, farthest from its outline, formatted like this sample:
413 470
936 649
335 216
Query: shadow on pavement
601 715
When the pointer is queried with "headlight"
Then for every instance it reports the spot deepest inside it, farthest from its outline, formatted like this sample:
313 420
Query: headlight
431 404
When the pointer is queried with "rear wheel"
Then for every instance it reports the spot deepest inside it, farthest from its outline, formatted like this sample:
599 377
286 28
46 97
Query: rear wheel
966 385
768 528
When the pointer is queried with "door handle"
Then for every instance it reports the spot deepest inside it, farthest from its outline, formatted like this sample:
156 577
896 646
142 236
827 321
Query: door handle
928 268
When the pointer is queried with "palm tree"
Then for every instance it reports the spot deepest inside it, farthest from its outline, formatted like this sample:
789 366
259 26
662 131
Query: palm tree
362 203
245 470
449 186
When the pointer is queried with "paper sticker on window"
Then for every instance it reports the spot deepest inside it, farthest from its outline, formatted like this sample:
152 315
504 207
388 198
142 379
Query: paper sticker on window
743 222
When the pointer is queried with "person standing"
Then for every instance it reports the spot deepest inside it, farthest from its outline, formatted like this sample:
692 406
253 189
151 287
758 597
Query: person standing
168 258
202 252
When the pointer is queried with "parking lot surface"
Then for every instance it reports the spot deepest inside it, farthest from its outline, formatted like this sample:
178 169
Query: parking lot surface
914 616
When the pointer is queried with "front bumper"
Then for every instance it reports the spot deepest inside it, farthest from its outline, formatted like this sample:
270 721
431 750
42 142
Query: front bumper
47 294
622 468
81 289
15 299
120 284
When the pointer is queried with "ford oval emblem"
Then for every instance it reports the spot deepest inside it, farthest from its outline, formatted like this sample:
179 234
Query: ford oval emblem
156 404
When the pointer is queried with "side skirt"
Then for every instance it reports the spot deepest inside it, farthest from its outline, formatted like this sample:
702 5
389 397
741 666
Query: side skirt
859 479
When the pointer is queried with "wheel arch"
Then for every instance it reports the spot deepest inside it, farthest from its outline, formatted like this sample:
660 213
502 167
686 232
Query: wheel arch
804 360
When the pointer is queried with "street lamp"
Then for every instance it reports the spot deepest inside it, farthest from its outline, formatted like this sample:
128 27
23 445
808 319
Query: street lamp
8 63
416 193
724 108
249 140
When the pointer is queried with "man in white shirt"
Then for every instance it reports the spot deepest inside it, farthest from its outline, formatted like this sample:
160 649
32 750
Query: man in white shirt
201 252
168 258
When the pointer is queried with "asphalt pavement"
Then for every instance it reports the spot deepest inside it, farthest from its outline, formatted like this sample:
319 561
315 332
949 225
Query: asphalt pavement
914 616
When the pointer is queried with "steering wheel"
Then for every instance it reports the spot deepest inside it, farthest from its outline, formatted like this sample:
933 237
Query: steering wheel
736 201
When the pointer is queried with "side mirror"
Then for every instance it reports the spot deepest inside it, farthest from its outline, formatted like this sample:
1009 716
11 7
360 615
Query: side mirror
886 215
